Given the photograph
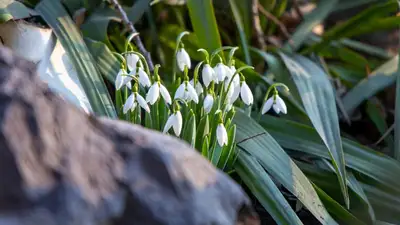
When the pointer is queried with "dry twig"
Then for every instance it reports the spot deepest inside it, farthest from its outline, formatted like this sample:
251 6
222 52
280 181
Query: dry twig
276 21
131 28
257 27
297 9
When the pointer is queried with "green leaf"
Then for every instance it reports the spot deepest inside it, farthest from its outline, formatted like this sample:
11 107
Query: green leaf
57 17
345 29
319 102
377 81
277 163
107 63
299 137
189 131
375 113
315 18
240 27
265 190
96 25
336 209
397 113
228 155
204 23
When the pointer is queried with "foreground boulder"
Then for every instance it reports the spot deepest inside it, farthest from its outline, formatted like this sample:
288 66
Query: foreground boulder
60 166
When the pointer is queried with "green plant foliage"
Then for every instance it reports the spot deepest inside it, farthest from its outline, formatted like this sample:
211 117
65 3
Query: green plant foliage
64 28
314 151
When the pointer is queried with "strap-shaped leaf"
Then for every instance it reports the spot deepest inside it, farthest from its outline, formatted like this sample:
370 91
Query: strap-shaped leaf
319 102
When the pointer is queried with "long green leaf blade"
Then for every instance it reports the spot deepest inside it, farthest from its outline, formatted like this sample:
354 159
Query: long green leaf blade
277 163
381 78
57 17
319 102
300 137
397 114
242 33
265 190
204 23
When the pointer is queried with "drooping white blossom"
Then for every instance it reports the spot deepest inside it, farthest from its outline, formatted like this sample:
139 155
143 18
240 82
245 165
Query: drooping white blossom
208 75
131 61
174 121
186 92
183 59
277 104
122 80
208 103
222 136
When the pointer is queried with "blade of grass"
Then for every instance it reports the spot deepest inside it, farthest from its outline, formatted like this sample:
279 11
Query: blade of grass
242 33
397 113
319 102
57 17
204 23
265 190
277 163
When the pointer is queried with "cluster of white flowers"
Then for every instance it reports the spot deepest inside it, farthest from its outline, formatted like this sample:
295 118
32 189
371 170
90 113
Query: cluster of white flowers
221 87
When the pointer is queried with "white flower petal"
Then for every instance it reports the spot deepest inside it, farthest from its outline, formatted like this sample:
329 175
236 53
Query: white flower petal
281 104
178 123
131 61
165 94
129 103
222 136
170 122
208 103
144 80
199 88
207 74
235 94
119 79
245 94
220 72
179 93
133 107
142 103
153 94
183 59
267 105
192 92
276 108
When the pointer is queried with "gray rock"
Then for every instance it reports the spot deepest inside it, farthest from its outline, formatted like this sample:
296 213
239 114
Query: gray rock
60 166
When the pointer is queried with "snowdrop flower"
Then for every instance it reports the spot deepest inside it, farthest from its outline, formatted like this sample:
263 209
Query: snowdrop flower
276 103
186 92
131 61
122 80
221 71
245 94
208 75
222 136
144 79
183 59
154 93
132 101
208 103
236 79
174 121
198 87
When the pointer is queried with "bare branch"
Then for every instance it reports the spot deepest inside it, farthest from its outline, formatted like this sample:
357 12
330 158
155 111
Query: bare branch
131 28
257 27
277 22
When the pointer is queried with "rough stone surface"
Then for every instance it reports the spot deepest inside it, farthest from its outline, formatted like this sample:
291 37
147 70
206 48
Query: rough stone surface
60 166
